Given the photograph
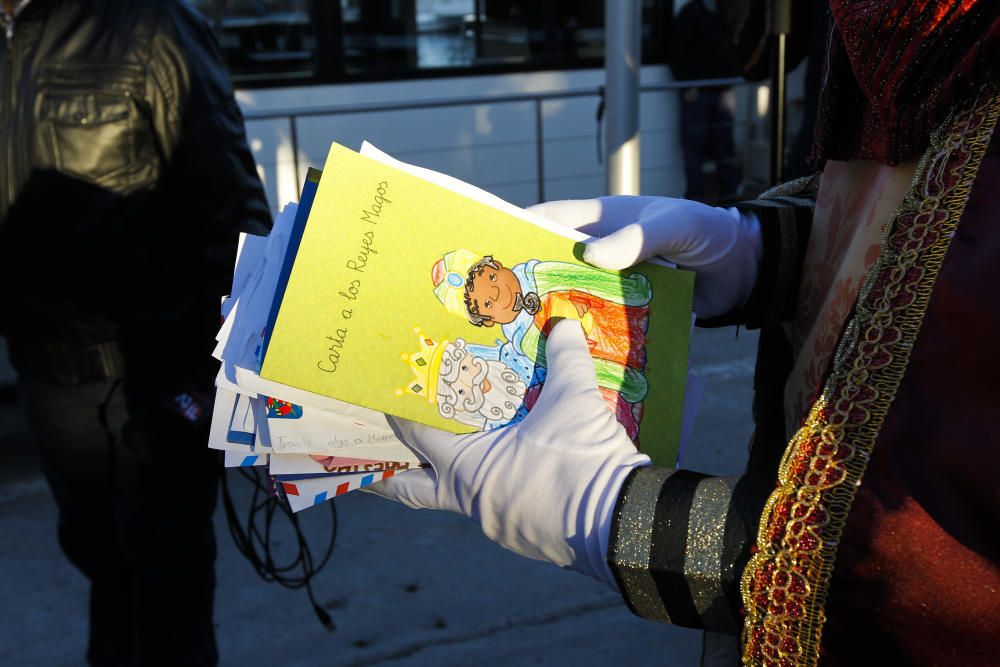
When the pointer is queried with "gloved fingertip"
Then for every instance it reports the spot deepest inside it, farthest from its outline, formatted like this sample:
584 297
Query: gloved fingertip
566 348
573 213
564 331
596 253
414 488
407 431
619 250
432 445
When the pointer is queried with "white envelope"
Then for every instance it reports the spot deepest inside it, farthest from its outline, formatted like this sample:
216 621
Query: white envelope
303 493
232 426
238 460
303 464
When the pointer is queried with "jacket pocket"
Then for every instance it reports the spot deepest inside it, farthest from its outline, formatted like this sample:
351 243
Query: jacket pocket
89 134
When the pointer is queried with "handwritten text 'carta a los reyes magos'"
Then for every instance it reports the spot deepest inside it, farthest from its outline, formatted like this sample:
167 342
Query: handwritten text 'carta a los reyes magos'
372 215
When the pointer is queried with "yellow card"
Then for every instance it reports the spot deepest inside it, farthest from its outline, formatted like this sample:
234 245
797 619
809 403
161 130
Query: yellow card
411 299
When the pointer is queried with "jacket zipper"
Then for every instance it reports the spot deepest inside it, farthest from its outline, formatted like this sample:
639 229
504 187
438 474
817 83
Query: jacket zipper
9 108
7 114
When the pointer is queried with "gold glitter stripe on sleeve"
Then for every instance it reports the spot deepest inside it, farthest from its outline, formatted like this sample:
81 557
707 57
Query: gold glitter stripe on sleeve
632 541
703 560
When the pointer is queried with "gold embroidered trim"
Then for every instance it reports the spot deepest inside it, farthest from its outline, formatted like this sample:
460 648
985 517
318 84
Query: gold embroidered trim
785 585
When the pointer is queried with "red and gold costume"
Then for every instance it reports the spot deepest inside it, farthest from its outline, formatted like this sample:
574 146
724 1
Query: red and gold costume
865 528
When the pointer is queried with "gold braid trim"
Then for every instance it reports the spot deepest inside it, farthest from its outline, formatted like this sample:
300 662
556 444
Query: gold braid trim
786 582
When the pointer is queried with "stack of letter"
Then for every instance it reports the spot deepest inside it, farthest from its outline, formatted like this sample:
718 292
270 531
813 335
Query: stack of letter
396 299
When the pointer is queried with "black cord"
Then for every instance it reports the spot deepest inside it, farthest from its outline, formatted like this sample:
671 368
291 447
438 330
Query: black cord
102 413
254 540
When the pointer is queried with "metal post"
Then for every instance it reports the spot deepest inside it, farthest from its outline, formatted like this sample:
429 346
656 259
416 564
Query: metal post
293 127
622 37
781 20
479 28
540 149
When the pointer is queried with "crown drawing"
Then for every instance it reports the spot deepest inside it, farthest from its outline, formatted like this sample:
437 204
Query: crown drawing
425 364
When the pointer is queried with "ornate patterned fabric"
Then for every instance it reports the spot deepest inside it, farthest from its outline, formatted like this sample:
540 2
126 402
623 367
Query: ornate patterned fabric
786 583
857 199
900 563
917 575
917 561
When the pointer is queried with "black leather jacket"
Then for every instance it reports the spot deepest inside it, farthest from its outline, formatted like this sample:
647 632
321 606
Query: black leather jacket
125 180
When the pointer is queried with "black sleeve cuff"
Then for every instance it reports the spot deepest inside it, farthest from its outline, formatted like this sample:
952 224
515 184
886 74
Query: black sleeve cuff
679 543
785 215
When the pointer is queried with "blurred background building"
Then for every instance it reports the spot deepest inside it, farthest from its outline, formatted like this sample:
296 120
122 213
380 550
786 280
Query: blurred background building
500 93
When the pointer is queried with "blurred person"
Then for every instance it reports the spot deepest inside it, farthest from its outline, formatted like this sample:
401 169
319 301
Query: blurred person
700 49
797 162
863 529
126 180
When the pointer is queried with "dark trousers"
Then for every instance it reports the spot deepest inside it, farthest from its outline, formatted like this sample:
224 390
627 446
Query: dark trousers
707 135
135 516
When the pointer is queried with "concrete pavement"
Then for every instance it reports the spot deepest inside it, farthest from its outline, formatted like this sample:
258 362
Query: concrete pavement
405 588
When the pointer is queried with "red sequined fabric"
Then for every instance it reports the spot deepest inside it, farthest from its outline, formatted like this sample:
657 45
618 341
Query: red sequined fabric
894 70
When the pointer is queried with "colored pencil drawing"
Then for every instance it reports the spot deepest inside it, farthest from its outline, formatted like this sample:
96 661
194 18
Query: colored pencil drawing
470 383
527 299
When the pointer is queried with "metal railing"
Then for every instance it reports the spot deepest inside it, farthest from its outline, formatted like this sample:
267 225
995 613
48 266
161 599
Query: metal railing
537 98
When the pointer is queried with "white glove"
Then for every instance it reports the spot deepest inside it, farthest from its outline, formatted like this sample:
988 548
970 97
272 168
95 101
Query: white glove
723 246
545 487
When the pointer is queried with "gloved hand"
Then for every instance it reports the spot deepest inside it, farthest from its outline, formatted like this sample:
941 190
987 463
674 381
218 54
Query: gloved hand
545 487
722 246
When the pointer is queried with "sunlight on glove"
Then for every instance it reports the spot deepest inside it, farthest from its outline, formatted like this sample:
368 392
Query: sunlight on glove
722 246
544 488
